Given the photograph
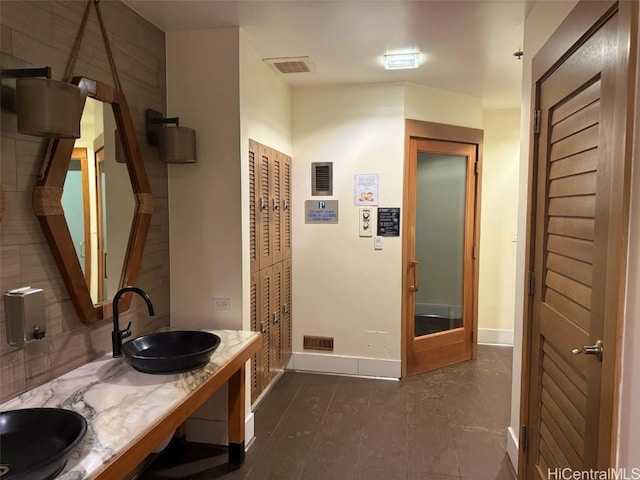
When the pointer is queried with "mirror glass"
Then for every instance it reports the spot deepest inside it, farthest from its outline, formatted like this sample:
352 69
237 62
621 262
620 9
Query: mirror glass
97 237
98 201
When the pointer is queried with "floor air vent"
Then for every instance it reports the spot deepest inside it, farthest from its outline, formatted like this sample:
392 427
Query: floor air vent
317 343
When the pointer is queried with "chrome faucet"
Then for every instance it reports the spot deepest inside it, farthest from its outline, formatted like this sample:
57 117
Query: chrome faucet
117 335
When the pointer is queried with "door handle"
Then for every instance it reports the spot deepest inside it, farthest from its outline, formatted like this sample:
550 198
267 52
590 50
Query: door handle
276 204
590 350
414 286
264 203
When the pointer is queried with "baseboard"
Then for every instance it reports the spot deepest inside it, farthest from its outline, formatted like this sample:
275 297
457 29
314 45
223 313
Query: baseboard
493 336
215 432
512 447
344 365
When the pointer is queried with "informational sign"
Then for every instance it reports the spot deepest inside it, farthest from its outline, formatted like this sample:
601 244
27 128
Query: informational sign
366 189
321 211
389 222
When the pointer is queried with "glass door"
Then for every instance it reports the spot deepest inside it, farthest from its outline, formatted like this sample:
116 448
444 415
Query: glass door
440 228
440 254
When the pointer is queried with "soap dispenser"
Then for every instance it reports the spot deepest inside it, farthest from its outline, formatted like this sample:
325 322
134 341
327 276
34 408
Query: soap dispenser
25 315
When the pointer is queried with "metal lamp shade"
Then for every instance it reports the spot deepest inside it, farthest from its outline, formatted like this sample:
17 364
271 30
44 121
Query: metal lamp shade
48 108
178 145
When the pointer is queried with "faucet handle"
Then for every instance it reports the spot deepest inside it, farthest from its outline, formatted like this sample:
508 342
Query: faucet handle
127 331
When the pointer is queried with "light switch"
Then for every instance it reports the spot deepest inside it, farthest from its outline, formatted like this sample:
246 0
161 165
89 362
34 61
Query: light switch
377 242
514 235
366 222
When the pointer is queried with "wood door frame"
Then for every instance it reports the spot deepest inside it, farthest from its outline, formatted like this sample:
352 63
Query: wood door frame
101 264
447 133
578 25
82 155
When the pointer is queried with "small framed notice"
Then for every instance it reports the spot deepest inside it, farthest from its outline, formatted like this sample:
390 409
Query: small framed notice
388 222
366 189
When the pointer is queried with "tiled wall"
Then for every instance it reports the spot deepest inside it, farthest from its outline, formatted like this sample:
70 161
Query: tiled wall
42 33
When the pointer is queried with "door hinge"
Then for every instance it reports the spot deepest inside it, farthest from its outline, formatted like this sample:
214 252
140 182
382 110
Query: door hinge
537 120
475 167
524 438
475 252
532 283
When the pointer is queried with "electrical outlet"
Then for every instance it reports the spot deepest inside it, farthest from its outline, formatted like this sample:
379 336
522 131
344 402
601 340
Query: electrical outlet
222 304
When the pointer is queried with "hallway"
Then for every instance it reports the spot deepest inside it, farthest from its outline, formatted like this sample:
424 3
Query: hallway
448 424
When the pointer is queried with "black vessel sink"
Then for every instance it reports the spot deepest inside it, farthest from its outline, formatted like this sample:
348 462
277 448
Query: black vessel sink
170 352
36 442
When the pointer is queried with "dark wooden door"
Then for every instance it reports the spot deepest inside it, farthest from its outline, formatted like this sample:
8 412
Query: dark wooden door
579 228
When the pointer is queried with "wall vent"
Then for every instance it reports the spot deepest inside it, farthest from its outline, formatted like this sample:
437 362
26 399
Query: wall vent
288 65
322 178
311 342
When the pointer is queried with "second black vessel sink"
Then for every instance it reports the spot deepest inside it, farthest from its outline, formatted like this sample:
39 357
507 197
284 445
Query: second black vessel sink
170 352
37 442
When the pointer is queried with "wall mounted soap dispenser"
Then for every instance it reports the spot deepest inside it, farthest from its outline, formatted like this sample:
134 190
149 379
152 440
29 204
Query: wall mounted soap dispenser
25 315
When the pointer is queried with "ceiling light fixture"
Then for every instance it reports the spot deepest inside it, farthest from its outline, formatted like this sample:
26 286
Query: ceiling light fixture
399 61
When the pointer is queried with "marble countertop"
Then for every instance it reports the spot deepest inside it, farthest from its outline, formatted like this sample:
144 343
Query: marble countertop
119 403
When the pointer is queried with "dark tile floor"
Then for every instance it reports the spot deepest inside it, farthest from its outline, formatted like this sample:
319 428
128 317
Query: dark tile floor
444 425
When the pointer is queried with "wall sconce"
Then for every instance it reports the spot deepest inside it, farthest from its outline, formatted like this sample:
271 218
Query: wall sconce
45 107
177 144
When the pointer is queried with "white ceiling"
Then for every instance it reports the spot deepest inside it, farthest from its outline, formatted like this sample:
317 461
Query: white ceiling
467 46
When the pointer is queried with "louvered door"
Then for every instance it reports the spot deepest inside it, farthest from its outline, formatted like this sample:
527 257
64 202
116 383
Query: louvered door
265 225
576 257
256 360
285 185
275 332
285 322
270 255
265 325
276 209
254 205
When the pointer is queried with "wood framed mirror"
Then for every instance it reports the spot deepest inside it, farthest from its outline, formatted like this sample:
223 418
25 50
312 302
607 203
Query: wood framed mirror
92 299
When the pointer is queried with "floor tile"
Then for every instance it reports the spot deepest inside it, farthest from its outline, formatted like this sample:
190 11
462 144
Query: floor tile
431 449
372 473
449 424
430 476
479 453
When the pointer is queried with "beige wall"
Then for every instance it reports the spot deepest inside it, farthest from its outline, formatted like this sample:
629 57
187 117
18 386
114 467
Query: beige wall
265 116
434 105
224 91
342 287
543 19
629 438
205 197
499 219
42 33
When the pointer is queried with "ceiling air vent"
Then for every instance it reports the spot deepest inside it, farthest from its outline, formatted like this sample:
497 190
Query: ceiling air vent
322 178
288 65
317 343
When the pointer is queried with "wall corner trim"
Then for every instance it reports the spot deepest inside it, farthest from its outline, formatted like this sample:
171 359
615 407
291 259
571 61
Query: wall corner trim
512 447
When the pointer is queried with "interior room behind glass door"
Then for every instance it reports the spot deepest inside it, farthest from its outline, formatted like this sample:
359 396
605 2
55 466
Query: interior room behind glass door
440 219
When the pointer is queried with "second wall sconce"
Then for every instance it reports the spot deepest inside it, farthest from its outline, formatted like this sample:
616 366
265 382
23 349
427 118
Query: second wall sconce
45 107
177 144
